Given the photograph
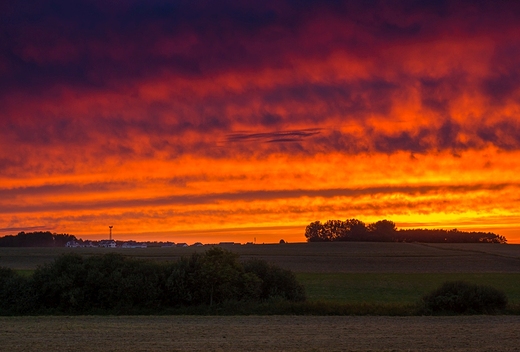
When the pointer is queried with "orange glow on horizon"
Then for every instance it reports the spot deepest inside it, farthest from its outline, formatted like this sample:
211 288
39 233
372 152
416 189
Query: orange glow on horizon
266 193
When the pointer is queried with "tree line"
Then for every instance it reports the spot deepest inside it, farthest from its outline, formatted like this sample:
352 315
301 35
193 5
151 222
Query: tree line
386 231
36 239
116 284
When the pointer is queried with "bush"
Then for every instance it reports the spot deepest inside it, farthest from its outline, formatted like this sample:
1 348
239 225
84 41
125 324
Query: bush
15 293
217 276
111 282
210 278
276 283
121 283
459 297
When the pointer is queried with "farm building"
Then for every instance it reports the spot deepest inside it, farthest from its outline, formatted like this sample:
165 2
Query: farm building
133 244
107 243
72 244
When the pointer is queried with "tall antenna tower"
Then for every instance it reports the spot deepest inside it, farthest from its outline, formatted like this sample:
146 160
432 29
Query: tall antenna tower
110 227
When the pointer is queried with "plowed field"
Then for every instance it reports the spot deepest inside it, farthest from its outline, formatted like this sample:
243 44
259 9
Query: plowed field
254 333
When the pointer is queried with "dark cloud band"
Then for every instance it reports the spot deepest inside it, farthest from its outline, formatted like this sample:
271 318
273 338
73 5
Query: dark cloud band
249 196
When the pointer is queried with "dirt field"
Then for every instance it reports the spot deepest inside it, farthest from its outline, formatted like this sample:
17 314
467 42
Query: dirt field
397 258
271 333
346 257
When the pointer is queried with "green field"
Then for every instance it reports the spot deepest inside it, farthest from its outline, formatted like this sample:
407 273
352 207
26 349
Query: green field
382 288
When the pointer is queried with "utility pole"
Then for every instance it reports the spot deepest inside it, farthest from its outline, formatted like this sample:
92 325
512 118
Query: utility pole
110 227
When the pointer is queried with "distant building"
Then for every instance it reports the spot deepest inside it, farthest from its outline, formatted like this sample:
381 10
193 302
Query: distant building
133 244
72 244
107 244
89 244
182 245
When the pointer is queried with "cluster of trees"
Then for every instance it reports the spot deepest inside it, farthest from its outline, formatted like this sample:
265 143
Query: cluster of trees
36 239
113 283
386 231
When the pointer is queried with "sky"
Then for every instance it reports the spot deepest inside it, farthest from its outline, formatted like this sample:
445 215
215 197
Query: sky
245 121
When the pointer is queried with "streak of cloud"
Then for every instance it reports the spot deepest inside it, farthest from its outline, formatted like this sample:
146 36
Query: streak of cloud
245 196
272 137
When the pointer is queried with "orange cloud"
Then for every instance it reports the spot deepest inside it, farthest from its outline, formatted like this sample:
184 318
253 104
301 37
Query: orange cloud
174 120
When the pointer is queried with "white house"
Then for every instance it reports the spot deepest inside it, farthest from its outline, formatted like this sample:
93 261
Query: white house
107 243
72 244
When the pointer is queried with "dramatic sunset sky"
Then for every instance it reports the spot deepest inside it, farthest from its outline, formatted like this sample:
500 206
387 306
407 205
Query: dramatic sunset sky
228 120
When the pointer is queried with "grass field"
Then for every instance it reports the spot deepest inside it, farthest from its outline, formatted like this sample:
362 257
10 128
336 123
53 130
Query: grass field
396 287
259 333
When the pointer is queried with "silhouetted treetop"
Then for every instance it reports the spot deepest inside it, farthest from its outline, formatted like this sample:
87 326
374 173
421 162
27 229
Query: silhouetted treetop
36 239
386 231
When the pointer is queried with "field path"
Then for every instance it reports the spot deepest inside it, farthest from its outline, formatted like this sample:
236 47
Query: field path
259 333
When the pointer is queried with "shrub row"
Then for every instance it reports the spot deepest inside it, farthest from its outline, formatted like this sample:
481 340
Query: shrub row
115 284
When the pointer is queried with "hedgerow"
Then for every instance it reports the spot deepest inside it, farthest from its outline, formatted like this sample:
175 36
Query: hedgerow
115 284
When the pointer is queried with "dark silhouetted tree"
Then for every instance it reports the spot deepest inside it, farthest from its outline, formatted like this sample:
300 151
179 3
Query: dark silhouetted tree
36 239
383 230
314 231
356 230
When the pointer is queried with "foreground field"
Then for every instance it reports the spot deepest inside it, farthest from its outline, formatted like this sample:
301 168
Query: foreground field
253 333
